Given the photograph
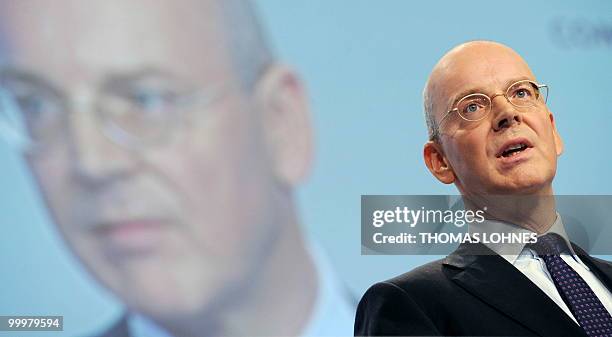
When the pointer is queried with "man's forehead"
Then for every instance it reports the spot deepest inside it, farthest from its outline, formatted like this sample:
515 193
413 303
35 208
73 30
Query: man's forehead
111 35
480 67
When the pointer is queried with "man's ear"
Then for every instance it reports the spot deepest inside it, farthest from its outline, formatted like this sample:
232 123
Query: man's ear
557 136
286 123
437 163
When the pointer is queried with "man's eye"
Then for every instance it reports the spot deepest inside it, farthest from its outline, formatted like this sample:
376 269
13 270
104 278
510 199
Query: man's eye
153 100
31 104
36 107
522 93
38 113
471 108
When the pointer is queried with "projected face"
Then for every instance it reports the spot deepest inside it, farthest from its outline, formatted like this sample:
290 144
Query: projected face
510 150
149 155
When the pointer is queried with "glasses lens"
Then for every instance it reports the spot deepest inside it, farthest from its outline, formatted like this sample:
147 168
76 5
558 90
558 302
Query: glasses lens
523 94
30 115
474 107
142 119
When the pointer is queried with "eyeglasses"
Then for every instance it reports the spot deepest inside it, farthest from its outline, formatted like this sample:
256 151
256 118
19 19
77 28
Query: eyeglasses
35 116
521 94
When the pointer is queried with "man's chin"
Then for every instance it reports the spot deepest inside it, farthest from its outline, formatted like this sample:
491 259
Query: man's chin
164 300
181 287
524 179
525 186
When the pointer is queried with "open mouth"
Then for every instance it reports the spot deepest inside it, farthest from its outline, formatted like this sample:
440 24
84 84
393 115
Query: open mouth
513 148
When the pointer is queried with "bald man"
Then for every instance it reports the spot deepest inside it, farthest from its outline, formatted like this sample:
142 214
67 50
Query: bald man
493 137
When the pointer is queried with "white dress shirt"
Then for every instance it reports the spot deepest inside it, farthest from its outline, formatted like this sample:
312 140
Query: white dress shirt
534 268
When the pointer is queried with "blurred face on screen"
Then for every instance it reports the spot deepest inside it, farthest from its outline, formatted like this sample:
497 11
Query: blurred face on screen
158 176
510 150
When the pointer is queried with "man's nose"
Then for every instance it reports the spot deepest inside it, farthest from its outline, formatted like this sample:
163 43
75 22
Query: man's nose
96 158
505 114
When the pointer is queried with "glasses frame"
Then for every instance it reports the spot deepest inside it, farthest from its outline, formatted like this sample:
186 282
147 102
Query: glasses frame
118 135
13 130
490 98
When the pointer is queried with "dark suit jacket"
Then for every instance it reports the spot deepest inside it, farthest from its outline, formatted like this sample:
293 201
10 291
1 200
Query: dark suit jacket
478 295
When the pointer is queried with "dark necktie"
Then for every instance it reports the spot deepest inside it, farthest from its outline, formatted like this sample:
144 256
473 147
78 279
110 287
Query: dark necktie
584 305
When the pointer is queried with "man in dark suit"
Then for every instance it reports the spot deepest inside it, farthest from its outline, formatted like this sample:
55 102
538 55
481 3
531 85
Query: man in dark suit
492 135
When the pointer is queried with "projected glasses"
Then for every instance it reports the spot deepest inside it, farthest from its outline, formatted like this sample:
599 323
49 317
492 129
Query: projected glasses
133 111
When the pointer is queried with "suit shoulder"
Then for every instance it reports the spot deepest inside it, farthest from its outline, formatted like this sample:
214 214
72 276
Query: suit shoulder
423 286
404 305
423 278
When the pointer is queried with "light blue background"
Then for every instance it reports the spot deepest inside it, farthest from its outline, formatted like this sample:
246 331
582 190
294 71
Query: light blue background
365 63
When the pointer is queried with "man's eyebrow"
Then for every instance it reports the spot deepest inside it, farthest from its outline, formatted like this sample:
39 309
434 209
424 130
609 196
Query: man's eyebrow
455 98
481 90
119 79
24 76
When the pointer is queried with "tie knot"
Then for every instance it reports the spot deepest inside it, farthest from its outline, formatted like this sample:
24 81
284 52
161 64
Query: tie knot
549 244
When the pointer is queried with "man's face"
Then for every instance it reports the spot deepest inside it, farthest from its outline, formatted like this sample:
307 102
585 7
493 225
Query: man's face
473 149
166 226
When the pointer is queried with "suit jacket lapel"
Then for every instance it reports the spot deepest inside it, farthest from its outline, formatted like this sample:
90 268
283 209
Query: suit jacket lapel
601 268
492 279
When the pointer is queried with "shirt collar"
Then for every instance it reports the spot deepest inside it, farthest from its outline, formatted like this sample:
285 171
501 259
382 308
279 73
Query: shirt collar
141 326
333 312
508 251
511 251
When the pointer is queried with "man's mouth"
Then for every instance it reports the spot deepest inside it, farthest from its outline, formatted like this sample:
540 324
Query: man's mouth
513 148
132 235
